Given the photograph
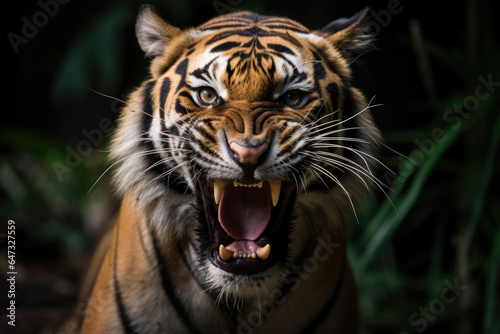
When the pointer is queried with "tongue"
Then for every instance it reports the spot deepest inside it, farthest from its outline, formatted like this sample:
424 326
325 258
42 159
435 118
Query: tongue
245 211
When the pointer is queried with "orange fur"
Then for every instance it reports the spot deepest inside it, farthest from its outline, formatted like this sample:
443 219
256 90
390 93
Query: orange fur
282 91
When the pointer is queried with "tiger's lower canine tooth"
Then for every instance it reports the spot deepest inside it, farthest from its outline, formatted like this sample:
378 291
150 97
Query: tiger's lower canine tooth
264 252
225 254
275 190
218 186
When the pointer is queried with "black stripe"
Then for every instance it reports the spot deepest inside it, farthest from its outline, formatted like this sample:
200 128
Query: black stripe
211 162
181 69
332 95
170 289
238 22
204 73
288 37
224 311
122 312
188 96
332 90
189 268
254 32
143 245
320 56
201 74
219 37
147 107
180 109
165 89
281 20
284 138
222 25
211 137
146 142
319 70
348 107
174 131
323 313
152 159
280 48
268 23
286 27
348 110
224 47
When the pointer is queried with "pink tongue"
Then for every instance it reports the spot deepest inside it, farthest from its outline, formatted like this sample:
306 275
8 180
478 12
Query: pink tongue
245 211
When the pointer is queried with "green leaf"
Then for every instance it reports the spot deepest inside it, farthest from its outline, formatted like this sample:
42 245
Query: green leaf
387 220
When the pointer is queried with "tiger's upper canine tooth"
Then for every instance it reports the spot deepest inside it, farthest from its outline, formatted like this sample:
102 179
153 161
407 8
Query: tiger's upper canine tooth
275 190
218 186
264 252
225 254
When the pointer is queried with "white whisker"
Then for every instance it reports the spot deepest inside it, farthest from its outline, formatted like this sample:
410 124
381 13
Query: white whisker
334 179
133 155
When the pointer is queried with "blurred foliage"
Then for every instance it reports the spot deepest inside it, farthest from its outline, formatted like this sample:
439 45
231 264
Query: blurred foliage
438 222
50 206
98 48
446 187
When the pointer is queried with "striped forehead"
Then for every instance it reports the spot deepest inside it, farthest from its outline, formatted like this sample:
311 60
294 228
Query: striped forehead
247 23
241 46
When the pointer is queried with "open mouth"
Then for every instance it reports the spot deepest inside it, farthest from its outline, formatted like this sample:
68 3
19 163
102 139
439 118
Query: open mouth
248 224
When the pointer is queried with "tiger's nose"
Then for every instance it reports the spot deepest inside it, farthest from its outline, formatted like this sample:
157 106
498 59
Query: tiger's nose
248 155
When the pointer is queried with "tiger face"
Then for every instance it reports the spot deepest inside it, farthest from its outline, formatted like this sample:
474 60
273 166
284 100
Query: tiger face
247 143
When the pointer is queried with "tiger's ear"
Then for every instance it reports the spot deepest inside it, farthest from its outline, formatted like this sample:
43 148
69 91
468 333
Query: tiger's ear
152 32
349 35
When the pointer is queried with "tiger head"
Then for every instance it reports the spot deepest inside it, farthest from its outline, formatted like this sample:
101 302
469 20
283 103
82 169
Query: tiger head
247 142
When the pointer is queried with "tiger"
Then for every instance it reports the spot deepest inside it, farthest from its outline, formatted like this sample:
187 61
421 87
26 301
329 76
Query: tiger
238 162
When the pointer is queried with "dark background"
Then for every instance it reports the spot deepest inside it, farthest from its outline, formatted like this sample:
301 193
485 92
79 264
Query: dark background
428 71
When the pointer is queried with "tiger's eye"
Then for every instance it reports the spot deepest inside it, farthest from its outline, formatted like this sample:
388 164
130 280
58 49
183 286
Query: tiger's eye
292 98
207 95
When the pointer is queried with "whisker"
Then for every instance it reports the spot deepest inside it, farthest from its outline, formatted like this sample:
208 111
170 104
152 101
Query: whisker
354 170
344 158
358 140
396 152
369 106
122 101
326 134
168 172
381 185
319 176
312 107
334 179
157 163
133 155
317 122
358 152
301 178
108 96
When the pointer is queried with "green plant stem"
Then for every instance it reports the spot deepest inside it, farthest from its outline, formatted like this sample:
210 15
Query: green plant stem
385 224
